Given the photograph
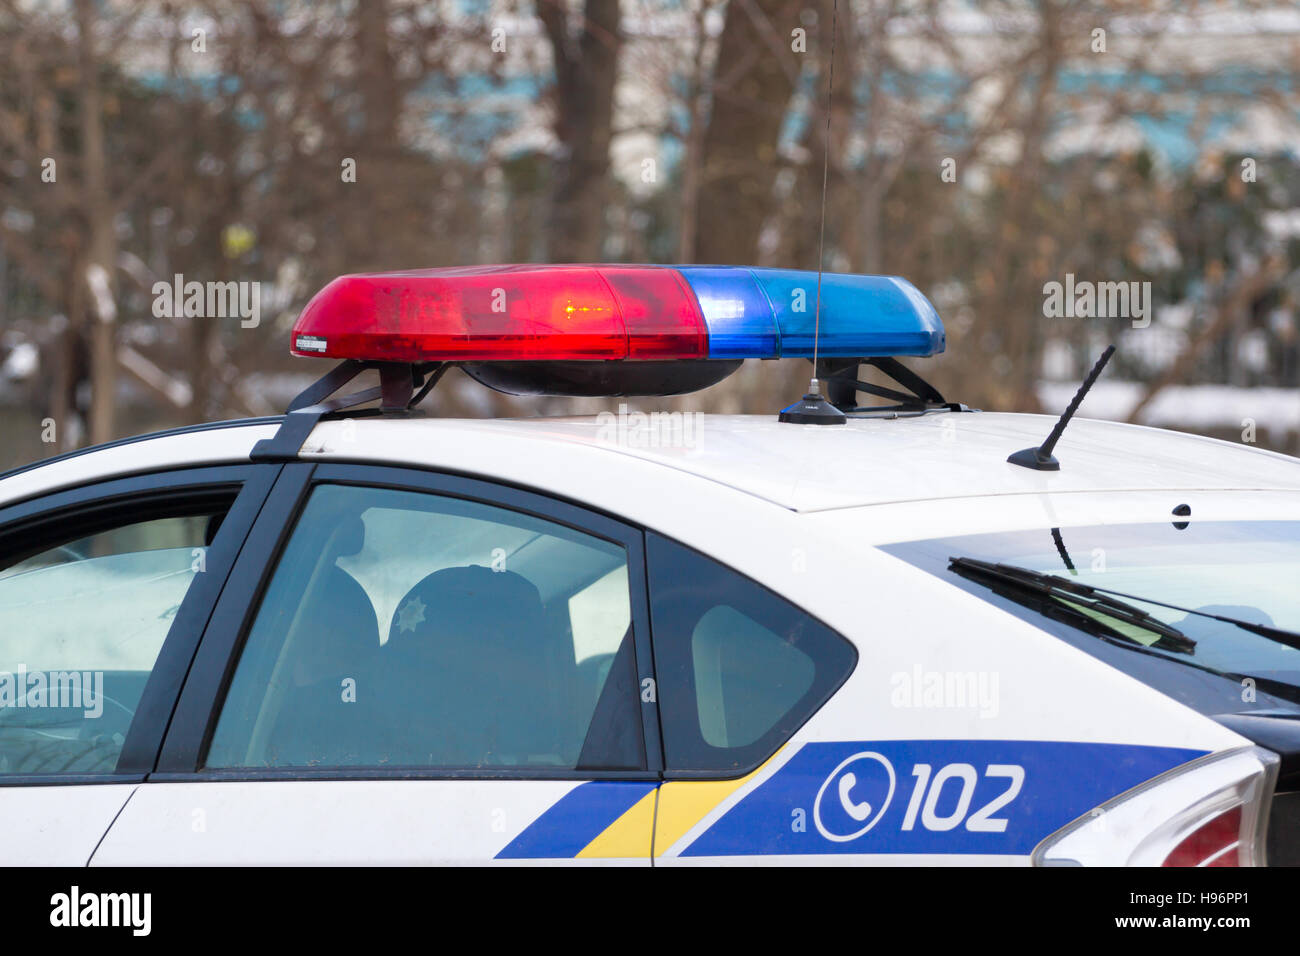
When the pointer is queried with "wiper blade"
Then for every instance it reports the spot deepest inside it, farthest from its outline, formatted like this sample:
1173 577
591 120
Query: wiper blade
1280 635
1077 593
1276 634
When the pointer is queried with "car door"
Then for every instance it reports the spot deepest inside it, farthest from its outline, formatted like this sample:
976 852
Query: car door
740 672
408 667
104 591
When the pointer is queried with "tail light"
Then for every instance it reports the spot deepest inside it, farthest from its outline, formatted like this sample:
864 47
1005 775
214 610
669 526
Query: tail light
1210 812
1216 843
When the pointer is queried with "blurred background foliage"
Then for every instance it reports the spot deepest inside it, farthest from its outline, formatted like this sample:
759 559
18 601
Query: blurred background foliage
981 149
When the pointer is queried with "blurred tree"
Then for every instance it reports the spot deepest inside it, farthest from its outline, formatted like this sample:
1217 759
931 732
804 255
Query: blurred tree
980 150
100 265
753 80
586 72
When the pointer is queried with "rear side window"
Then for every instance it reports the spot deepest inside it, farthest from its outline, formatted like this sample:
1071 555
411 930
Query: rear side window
409 629
740 669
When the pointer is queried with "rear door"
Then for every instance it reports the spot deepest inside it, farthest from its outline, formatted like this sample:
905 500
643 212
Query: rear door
412 668
104 591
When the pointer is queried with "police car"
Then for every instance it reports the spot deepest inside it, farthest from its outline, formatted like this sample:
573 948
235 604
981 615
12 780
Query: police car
899 634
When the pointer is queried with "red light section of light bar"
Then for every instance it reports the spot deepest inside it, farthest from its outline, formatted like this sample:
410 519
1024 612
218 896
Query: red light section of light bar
504 313
662 315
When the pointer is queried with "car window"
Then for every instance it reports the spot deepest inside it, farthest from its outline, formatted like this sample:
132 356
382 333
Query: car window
82 620
1195 577
402 628
739 668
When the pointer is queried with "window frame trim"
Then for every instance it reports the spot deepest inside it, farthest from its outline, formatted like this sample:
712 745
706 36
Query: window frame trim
204 693
250 483
308 774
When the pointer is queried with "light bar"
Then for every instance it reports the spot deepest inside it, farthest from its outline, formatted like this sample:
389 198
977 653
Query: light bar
611 312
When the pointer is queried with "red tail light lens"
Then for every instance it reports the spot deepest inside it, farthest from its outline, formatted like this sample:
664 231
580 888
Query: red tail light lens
1212 844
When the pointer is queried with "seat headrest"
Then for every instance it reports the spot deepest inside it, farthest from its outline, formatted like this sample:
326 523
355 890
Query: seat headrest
340 627
349 538
466 600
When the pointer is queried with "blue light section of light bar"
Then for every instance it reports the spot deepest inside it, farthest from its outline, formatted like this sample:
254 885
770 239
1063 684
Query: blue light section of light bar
861 315
738 315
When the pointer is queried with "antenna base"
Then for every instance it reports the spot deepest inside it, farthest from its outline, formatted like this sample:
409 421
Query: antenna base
812 409
1035 458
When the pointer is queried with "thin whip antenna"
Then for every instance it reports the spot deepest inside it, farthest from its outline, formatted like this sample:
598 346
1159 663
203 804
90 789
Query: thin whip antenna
813 409
826 162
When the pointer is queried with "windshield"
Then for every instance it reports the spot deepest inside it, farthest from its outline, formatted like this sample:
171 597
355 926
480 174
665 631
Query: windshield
1245 570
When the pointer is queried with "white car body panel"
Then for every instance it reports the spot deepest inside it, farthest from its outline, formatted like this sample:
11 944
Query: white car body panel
57 826
865 462
324 823
917 520
183 450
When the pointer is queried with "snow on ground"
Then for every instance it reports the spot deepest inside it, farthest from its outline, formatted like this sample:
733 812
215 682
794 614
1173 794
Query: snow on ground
1191 407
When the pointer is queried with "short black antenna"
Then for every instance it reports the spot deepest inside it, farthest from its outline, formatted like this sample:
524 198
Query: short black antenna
1040 458
813 409
1063 552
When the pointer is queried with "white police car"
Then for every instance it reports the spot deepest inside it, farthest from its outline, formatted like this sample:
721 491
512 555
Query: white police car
373 637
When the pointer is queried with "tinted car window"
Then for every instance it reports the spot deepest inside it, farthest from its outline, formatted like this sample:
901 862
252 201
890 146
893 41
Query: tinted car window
409 629
1239 570
82 620
740 669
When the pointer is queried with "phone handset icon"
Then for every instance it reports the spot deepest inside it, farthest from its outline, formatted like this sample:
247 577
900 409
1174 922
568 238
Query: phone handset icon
858 811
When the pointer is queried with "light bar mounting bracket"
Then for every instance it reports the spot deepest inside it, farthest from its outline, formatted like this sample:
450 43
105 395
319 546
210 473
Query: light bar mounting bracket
396 394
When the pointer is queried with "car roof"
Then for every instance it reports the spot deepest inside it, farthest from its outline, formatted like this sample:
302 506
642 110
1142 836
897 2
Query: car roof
803 468
877 461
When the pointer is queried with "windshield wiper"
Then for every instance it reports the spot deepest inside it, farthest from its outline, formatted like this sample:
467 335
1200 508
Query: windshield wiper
1076 597
1051 581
